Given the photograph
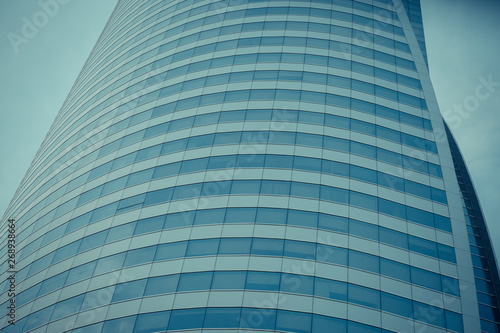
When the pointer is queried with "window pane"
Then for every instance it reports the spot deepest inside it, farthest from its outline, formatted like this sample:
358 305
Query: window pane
161 285
195 281
152 322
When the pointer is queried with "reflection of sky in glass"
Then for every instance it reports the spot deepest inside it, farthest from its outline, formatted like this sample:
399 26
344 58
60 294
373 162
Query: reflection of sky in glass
461 42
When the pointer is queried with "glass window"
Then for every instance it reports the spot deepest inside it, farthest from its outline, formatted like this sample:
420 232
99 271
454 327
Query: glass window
420 216
333 223
304 190
171 251
93 241
307 163
397 305
140 256
299 284
390 181
353 326
222 318
334 194
302 218
252 318
195 281
234 246
123 324
81 272
209 216
240 215
229 280
120 232
152 322
275 187
66 251
335 168
389 156
159 196
425 278
262 281
363 200
364 296
423 246
110 263
271 215
394 238
279 161
446 253
51 284
202 247
129 290
221 162
227 138
363 127
391 208
245 187
311 117
330 289
328 324
364 261
362 229
161 285
186 319
295 249
312 140
267 247
363 150
293 321
421 313
140 177
173 146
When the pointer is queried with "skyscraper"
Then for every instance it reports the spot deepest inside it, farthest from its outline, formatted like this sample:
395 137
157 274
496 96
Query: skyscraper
251 165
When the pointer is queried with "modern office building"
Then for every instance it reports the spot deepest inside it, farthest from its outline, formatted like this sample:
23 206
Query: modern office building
251 166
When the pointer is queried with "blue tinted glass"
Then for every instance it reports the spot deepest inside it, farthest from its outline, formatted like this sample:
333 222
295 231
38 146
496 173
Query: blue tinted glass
299 284
364 261
330 289
202 247
171 251
222 318
397 305
302 250
152 322
129 290
262 281
364 296
271 215
229 280
293 321
161 285
328 324
67 307
334 223
195 281
240 215
302 218
140 256
234 246
185 319
268 247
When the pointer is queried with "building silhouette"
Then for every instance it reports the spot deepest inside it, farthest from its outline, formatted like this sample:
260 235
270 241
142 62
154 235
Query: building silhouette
251 166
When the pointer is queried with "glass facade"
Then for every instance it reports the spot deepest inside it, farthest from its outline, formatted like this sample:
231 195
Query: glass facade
251 165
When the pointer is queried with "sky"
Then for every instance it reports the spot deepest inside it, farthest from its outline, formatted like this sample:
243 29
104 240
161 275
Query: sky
36 74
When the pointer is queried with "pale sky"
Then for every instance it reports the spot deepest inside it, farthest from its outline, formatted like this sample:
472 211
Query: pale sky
462 43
